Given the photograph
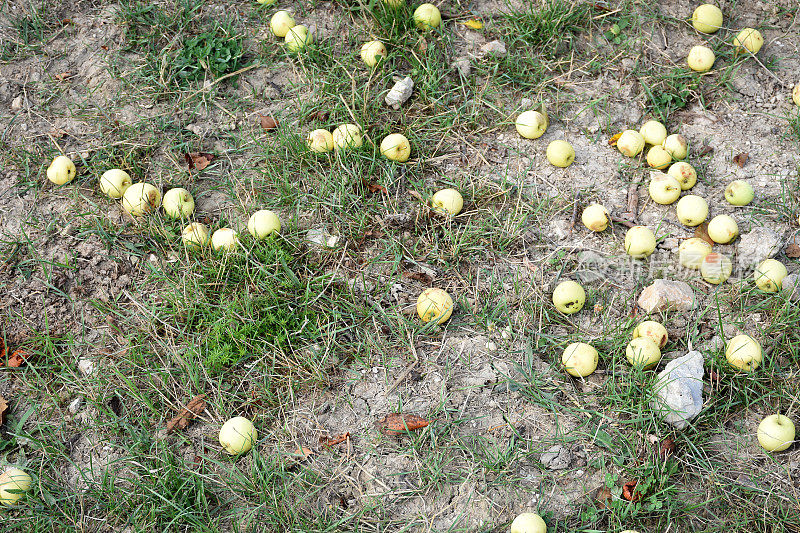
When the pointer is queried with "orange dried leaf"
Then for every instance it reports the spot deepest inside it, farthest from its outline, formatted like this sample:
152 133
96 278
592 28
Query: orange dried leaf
268 122
629 491
18 358
188 413
701 232
613 140
333 441
302 453
3 409
603 498
741 159
374 187
198 160
397 423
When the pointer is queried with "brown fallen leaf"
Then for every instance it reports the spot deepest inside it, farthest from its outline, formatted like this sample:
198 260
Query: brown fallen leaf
701 232
2 349
614 138
603 498
793 251
667 448
18 358
302 453
629 491
374 187
416 195
196 406
63 76
419 276
333 441
705 150
398 423
268 122
3 409
198 160
741 159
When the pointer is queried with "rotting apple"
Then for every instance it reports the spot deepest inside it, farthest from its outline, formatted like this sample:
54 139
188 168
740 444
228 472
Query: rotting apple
639 242
178 203
14 483
700 58
653 330
684 173
531 124
281 22
663 188
569 297
560 153
372 52
320 141
595 217
744 353
723 229
749 39
347 136
224 239
263 223
739 192
195 235
396 147
769 275
237 435
630 143
427 17
692 210
654 132
796 94
114 182
434 305
579 359
691 252
677 146
297 38
776 433
528 523
447 202
140 199
643 352
715 268
707 18
658 157
61 170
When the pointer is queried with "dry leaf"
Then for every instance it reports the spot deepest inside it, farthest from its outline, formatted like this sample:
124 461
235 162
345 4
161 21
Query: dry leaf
397 423
792 251
419 276
603 498
701 232
667 448
333 441
3 409
188 413
268 122
473 24
741 159
416 195
629 491
2 349
198 160
374 187
18 358
706 149
63 76
613 140
302 453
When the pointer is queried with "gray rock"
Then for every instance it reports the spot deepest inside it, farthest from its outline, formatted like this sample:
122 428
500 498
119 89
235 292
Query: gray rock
759 244
75 405
400 93
463 66
557 457
664 295
86 367
679 390
791 285
321 237
497 48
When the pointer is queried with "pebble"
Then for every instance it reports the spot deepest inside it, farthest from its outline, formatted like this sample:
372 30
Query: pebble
665 295
86 367
400 93
679 390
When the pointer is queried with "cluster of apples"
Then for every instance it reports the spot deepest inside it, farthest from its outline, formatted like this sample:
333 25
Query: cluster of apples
532 124
707 18
295 36
395 146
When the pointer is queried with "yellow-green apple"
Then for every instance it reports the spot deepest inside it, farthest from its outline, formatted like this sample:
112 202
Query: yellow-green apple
14 483
396 147
427 17
281 22
643 352
707 18
796 94
263 223
692 251
297 38
700 58
115 182
658 157
266 2
654 132
595 217
691 210
776 433
178 203
224 239
528 523
447 202
579 359
769 275
237 435
663 188
569 297
716 268
630 143
684 173
744 353
531 124
195 235
347 136
372 52
739 192
677 146
723 229
750 39
61 170
140 199
560 153
434 305
394 3
320 141
653 330
639 242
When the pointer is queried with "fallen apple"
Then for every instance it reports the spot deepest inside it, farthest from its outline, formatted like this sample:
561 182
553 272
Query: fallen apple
658 157
224 239
579 359
595 217
796 94
347 136
61 170
769 275
677 146
434 305
447 202
663 188
654 132
715 268
320 141
749 39
14 483
266 2
684 173
528 523
723 229
700 58
653 330
237 435
373 52
427 17
560 153
691 252
744 353
396 147
140 199
642 352
281 22
569 297
115 182
630 143
776 433
691 210
707 18
531 124
297 38
639 242
263 223
178 203
739 192
195 235
394 3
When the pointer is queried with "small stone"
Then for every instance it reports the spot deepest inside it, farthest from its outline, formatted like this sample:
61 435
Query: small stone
557 457
75 405
463 66
497 48
321 237
16 104
400 93
679 390
86 367
664 295
791 285
759 244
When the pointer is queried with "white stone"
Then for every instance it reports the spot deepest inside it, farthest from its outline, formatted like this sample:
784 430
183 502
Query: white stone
497 48
400 93
759 244
663 295
86 367
679 390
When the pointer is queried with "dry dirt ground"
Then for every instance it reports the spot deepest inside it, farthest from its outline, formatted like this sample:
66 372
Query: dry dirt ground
124 326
